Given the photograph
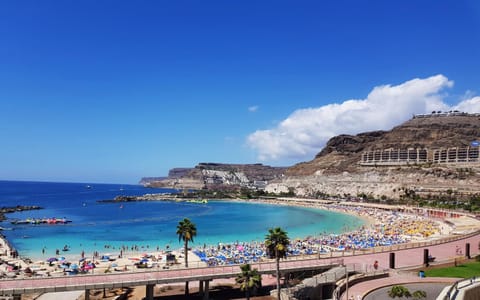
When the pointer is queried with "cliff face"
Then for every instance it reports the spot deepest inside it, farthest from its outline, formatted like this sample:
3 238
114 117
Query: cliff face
217 175
337 170
146 180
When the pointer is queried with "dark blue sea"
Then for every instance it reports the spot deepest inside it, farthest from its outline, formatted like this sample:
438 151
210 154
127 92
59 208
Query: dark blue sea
106 227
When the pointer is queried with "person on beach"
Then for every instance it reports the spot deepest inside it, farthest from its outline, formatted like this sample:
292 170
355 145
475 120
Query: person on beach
375 265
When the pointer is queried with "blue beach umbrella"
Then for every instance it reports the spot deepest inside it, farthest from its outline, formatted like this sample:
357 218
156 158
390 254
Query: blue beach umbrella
52 259
74 266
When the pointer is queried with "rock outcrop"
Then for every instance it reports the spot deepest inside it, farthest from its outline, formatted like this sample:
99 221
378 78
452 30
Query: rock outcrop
221 176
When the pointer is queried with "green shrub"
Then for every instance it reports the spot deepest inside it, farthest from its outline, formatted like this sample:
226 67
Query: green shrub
399 291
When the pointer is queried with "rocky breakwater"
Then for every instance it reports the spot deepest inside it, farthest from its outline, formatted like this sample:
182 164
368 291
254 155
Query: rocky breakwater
146 197
12 209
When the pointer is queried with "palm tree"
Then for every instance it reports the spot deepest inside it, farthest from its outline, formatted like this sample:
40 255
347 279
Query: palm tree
277 242
186 230
249 279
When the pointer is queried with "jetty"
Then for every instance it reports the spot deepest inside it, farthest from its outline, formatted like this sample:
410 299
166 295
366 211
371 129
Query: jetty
154 197
12 209
35 221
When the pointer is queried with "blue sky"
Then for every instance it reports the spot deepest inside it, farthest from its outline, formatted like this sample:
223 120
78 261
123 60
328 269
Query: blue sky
110 91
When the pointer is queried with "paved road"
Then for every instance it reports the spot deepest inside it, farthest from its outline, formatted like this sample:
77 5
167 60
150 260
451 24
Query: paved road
432 289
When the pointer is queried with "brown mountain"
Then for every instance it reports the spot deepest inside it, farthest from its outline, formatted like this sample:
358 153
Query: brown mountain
418 154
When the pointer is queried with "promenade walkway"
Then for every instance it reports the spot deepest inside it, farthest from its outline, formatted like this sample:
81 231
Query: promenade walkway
407 259
151 278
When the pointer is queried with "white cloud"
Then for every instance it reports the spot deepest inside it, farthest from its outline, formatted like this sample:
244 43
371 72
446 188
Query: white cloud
253 108
468 105
305 132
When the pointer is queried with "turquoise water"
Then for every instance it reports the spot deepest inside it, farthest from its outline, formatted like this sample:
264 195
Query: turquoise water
106 227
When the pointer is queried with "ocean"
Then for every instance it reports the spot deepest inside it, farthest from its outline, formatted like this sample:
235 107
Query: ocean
148 226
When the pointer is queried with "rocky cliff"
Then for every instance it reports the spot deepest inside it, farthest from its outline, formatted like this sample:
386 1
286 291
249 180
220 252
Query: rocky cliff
218 175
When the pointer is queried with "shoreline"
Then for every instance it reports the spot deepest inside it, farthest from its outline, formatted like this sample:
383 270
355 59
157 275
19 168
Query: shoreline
159 257
149 245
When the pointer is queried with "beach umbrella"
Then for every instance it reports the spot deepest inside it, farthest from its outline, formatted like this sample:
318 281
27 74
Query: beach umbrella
114 265
74 266
52 259
134 258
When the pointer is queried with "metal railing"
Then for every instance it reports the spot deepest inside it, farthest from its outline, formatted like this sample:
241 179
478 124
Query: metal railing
100 280
455 289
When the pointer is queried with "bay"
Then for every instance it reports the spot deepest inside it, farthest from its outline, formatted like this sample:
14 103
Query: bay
148 226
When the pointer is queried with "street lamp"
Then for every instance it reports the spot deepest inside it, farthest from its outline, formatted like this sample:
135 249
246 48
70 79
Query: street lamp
346 282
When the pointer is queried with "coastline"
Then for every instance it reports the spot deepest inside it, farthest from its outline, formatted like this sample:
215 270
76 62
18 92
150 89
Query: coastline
127 259
296 225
